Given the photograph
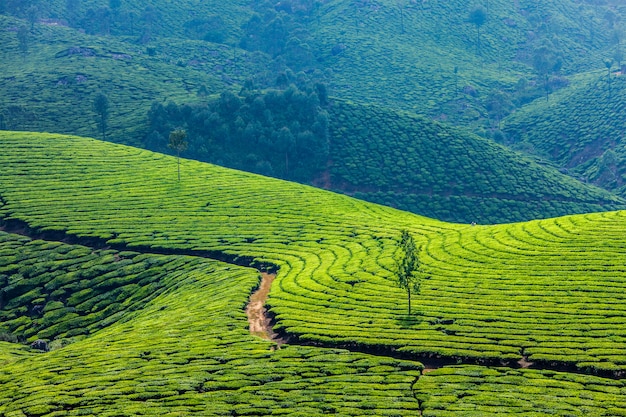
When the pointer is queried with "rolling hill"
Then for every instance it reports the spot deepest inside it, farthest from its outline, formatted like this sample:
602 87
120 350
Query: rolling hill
426 55
582 130
53 86
546 292
394 158
415 164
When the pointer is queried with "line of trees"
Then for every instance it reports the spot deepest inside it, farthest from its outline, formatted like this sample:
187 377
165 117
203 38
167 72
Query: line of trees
281 133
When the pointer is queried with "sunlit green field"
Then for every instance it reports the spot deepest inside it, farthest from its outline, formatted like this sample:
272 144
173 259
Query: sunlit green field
147 333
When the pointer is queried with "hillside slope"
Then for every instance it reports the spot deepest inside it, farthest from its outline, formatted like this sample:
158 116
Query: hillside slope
52 87
430 58
581 130
377 154
548 292
409 162
425 57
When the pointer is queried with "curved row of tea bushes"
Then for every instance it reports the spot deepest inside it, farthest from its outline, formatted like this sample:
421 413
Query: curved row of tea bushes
49 290
549 290
183 350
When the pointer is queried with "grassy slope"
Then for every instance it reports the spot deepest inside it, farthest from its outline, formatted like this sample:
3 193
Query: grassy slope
44 92
188 350
170 16
417 67
415 164
335 253
474 391
581 129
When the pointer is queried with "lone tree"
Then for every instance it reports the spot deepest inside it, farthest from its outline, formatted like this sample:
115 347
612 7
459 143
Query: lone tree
178 143
547 61
408 272
101 107
608 63
22 38
478 17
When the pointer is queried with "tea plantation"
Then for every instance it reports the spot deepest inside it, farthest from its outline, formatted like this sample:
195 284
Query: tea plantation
149 325
476 391
411 163
581 130
52 87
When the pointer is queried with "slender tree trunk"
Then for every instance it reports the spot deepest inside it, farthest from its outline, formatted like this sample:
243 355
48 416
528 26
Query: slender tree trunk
408 293
103 121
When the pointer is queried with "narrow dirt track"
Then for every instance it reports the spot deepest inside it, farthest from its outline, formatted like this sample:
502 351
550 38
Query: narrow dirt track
260 323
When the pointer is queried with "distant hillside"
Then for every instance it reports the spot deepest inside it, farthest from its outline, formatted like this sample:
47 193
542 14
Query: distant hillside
376 154
581 130
139 20
464 63
52 85
432 58
414 164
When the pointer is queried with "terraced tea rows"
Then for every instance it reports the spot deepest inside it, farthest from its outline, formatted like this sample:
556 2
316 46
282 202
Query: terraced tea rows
550 290
187 351
66 69
60 292
414 164
477 391
184 350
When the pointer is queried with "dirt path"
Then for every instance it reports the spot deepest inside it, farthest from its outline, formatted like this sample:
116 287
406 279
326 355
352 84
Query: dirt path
260 323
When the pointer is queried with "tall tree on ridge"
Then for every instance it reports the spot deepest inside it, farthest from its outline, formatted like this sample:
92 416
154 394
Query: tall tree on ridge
178 143
478 17
101 107
407 268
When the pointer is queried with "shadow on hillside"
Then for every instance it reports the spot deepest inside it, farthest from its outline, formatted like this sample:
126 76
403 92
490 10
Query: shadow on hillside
406 321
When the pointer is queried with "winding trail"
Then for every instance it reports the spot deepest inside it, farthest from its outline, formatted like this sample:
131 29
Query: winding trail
260 323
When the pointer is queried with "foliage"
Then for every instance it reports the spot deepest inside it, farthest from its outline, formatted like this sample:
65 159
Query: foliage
489 391
495 293
101 108
22 37
414 164
407 268
282 133
52 88
478 17
177 345
54 291
550 291
581 131
178 143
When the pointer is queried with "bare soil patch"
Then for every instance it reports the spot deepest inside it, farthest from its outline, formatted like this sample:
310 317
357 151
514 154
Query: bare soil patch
260 323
